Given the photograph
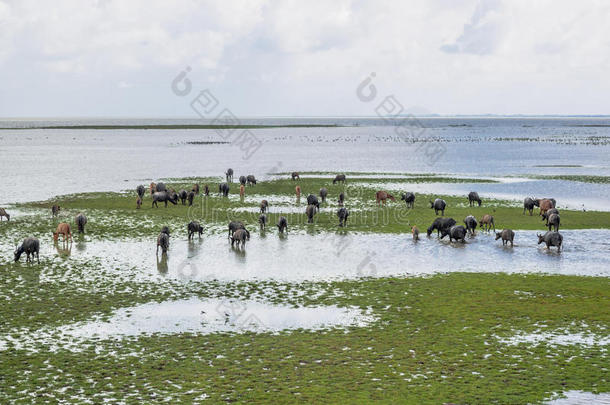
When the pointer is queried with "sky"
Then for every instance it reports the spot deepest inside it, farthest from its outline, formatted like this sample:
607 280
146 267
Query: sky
123 58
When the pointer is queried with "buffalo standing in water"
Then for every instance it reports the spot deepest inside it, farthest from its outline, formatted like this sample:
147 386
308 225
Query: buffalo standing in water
194 227
282 224
264 206
164 196
163 242
441 224
471 224
29 246
551 239
408 198
457 232
229 175
240 236
528 205
507 235
323 194
473 197
223 189
81 221
487 222
235 225
342 213
141 190
262 220
313 200
310 211
339 178
438 205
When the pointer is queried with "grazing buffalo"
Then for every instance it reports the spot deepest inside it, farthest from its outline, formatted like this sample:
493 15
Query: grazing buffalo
553 222
339 178
206 190
415 232
546 215
310 211
190 197
487 222
141 190
441 224
473 197
551 239
160 187
242 180
408 198
282 224
457 232
438 205
313 200
262 220
251 180
382 196
164 197
64 230
323 194
545 205
264 206
235 225
295 176
341 199
194 227
229 175
138 202
507 235
195 188
163 242
183 195
471 224
81 221
342 213
240 236
223 189
3 213
528 205
55 210
29 246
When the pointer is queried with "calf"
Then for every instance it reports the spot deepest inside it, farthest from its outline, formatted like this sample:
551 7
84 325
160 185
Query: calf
551 239
487 222
55 210
297 190
63 229
264 206
415 232
240 236
3 213
382 196
310 211
262 220
229 175
507 235
457 232
282 224
163 242
29 246
235 225
194 227
342 213
242 191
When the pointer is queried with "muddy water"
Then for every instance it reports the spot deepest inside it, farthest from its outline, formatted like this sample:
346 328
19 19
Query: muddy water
303 256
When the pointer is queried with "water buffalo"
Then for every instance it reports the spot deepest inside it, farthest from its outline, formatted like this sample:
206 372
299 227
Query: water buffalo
457 232
310 211
471 224
408 198
546 215
160 187
64 230
29 246
528 205
438 205
342 213
55 210
282 224
163 242
415 232
264 206
545 205
382 196
195 188
551 239
242 180
341 199
194 227
229 175
251 180
140 190
487 222
235 225
553 222
473 197
190 197
206 190
164 196
223 189
441 224
262 220
3 213
507 235
323 194
295 176
240 236
339 178
183 195
313 200
81 221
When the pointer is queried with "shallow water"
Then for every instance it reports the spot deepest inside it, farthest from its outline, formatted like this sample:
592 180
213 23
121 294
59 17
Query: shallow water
557 339
581 398
40 163
323 256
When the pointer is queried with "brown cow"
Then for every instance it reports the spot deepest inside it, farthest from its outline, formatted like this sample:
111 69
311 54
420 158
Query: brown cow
297 189
487 222
63 229
545 205
382 196
242 191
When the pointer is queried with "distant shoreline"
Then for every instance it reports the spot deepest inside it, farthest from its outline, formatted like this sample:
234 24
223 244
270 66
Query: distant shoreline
174 126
